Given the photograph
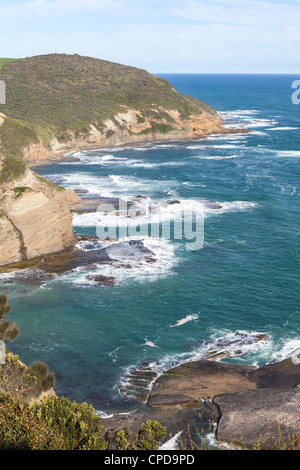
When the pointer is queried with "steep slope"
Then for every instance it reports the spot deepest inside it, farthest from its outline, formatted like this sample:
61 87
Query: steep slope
57 102
35 218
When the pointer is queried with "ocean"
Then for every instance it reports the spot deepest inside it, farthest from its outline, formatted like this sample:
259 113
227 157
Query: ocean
243 281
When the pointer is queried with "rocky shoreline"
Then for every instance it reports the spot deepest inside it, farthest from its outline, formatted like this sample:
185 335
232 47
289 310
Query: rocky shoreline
246 406
38 156
243 406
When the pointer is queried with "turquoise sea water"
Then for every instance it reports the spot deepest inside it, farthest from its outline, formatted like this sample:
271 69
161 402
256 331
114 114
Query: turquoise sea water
243 281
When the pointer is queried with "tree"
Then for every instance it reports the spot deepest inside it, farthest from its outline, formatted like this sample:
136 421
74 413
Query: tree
15 377
8 330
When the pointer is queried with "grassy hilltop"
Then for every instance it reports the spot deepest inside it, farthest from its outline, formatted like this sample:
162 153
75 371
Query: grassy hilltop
57 103
3 61
53 94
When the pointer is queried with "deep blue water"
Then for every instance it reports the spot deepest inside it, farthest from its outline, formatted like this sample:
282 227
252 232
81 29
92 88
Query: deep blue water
243 281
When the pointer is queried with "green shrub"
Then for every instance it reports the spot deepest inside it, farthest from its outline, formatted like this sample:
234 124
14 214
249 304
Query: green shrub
157 127
40 370
140 119
53 424
50 185
8 330
152 432
78 425
16 134
109 133
13 168
20 190
126 440
48 382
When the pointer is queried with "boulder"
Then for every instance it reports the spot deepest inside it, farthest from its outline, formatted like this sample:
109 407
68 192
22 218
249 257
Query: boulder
102 280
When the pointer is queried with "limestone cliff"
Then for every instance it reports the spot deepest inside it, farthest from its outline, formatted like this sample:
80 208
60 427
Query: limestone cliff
34 218
127 127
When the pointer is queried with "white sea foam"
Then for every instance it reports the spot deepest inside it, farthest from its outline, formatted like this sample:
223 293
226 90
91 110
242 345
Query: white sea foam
93 184
128 266
216 157
172 443
153 213
211 441
8 276
238 113
234 206
87 158
252 123
112 185
287 153
149 213
226 340
284 349
103 415
209 147
245 118
188 183
187 319
150 344
236 137
260 133
283 128
226 146
113 354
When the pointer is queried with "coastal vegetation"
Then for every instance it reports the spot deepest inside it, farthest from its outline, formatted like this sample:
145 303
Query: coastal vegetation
8 330
4 60
56 423
59 94
32 417
58 102
13 168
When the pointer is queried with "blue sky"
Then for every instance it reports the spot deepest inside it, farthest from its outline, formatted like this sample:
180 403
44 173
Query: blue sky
211 36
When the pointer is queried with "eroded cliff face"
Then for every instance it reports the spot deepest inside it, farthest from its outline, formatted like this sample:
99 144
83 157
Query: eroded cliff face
35 218
129 127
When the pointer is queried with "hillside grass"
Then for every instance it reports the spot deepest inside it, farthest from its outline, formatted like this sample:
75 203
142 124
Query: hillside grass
54 94
4 60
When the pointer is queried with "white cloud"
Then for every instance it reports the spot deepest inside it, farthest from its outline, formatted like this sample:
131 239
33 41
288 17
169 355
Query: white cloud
45 8
242 12
178 36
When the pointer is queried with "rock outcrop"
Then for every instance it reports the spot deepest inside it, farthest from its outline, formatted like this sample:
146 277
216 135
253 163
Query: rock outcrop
35 218
267 416
258 408
124 128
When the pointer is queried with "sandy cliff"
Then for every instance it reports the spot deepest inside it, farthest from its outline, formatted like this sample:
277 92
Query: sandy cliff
34 218
128 127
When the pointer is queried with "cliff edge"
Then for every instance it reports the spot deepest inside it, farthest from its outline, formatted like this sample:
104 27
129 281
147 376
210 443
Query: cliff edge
56 103
59 102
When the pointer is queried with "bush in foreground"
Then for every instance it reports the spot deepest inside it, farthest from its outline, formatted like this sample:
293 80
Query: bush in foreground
59 424
52 424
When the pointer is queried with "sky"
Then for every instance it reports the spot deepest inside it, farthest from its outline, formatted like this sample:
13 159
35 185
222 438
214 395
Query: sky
161 36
